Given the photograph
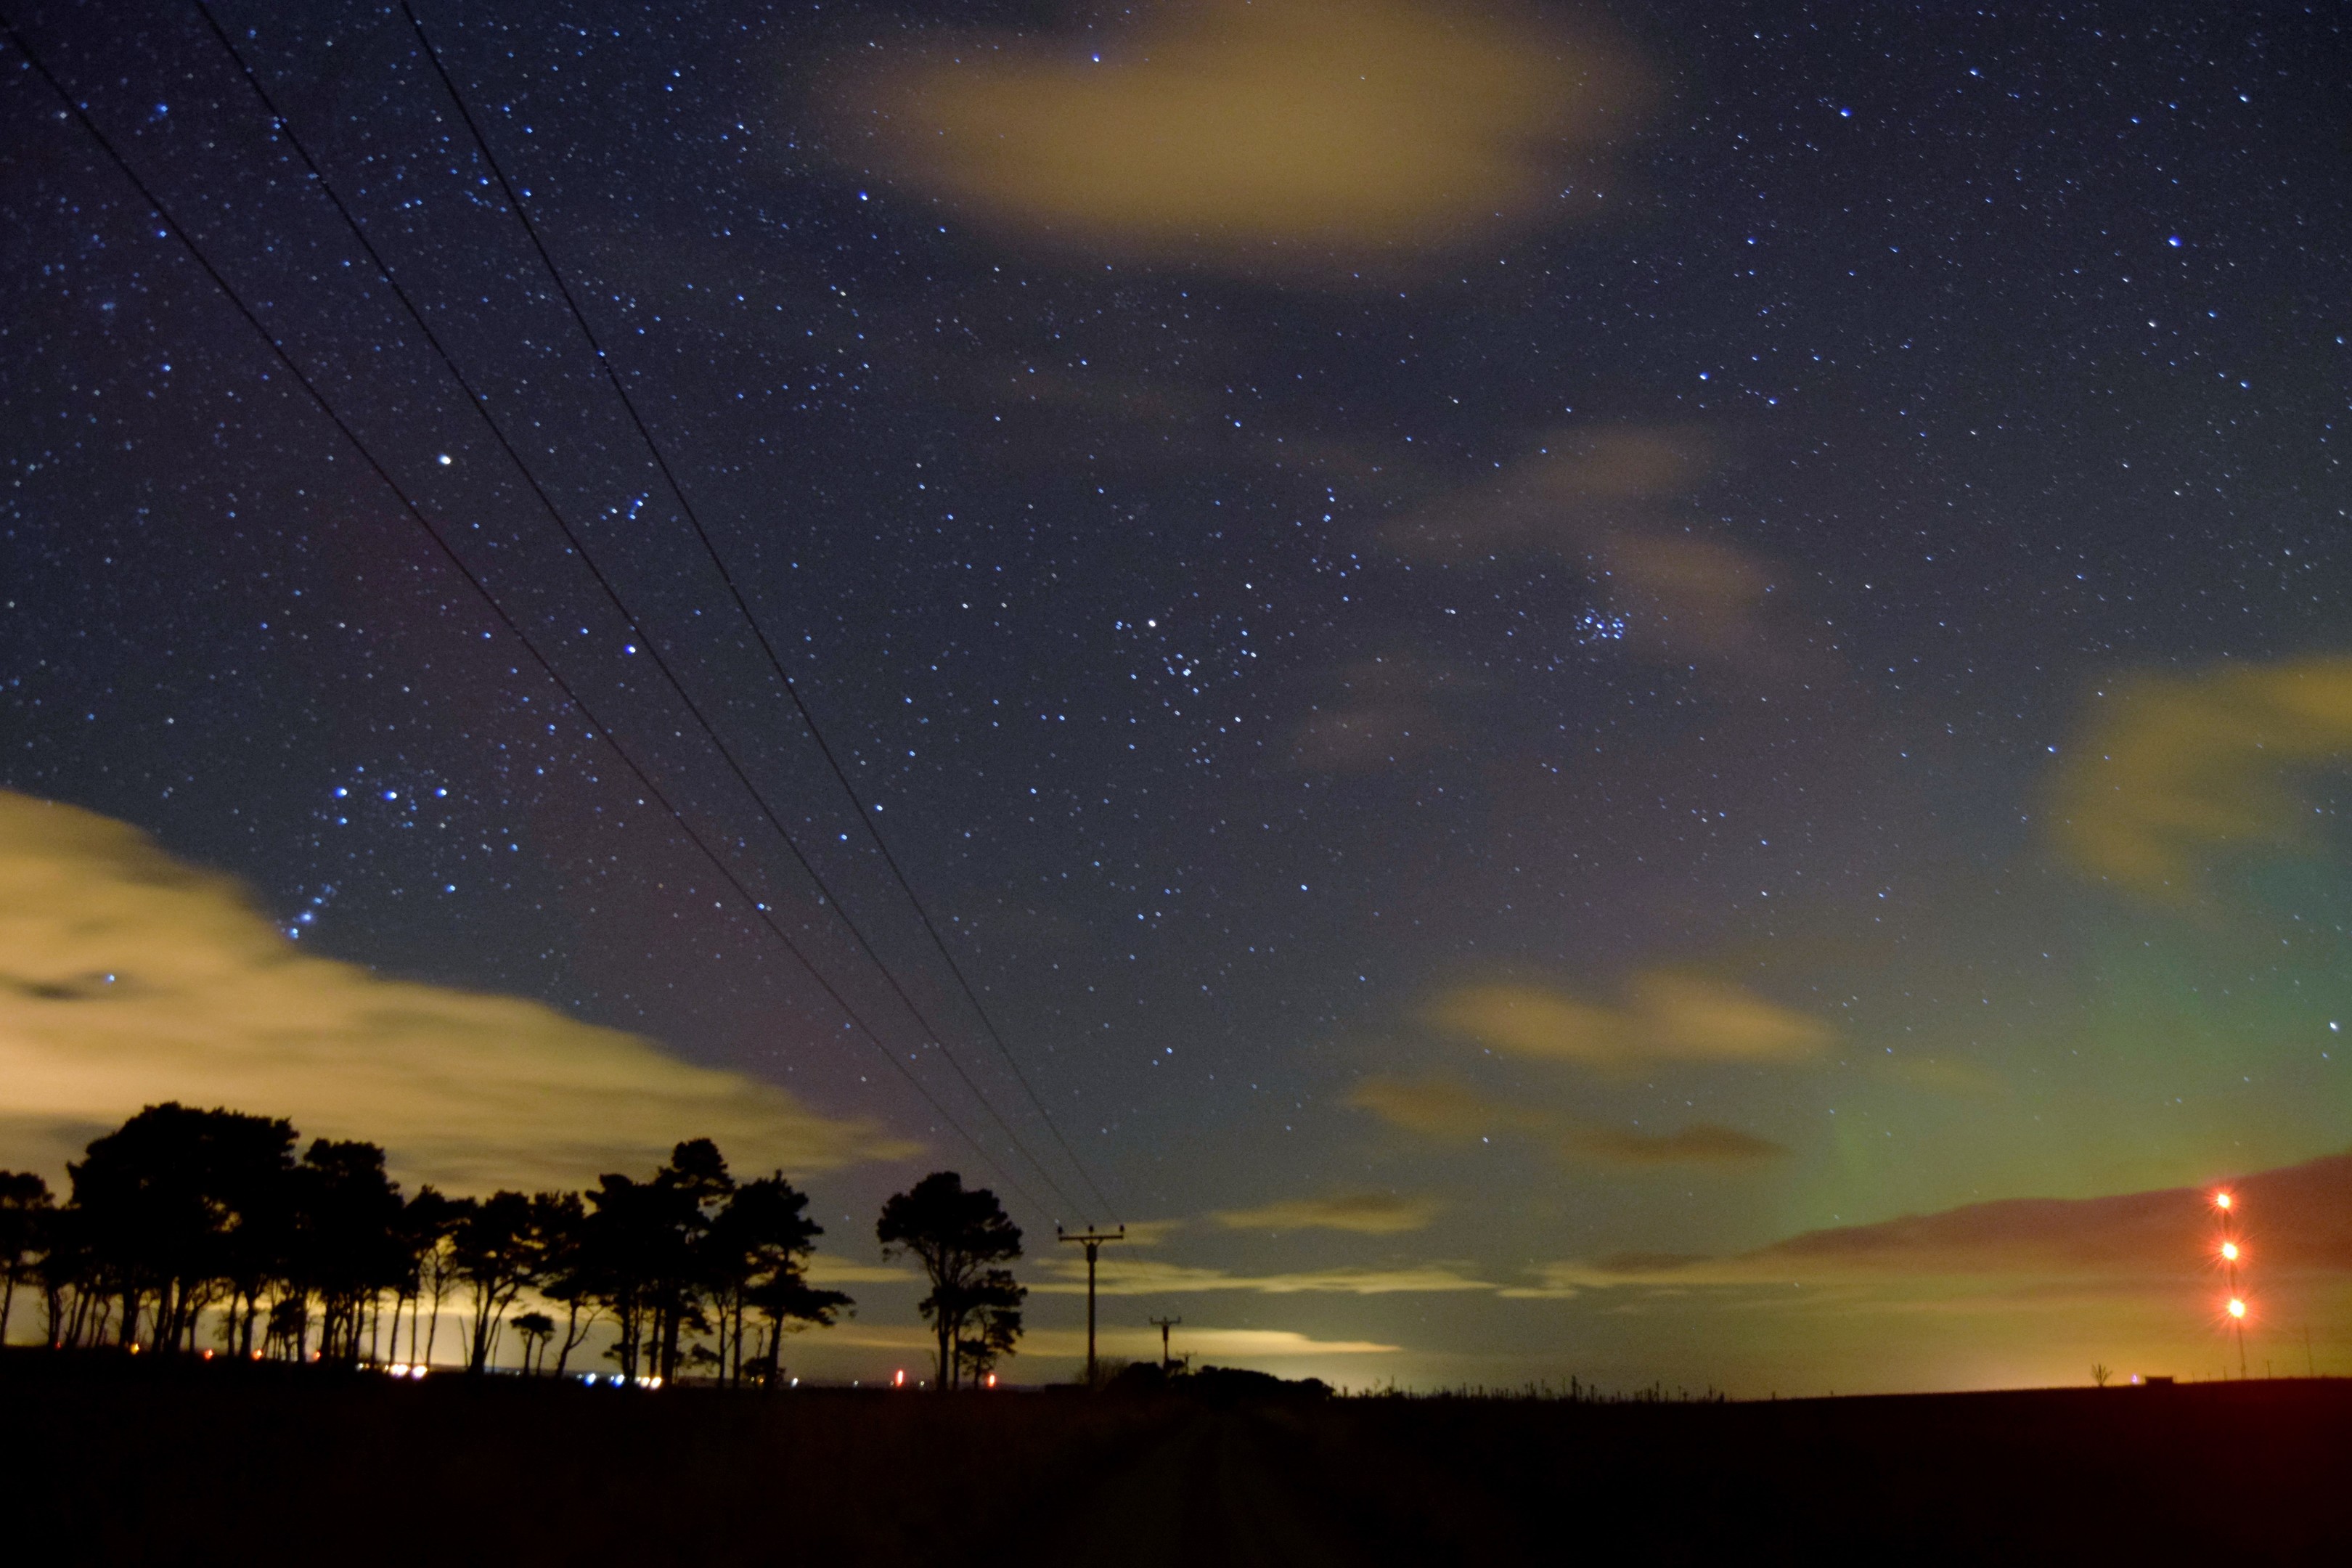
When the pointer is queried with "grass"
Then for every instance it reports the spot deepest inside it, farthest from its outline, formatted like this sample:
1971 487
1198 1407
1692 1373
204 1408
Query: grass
149 1461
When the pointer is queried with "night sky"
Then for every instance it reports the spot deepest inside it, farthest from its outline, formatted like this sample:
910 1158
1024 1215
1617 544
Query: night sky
1516 648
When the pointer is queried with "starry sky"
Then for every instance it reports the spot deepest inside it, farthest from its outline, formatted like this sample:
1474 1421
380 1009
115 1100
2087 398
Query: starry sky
1522 651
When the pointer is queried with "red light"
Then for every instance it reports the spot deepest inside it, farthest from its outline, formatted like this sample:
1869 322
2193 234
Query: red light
991 1380
898 1378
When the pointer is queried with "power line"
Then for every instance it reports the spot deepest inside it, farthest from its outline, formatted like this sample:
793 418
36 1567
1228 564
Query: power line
775 663
603 730
284 129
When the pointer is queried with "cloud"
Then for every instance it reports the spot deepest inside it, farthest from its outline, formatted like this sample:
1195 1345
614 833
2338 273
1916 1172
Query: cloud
128 977
1367 1213
2298 1220
1618 505
1386 710
1201 1344
2170 771
1151 1276
1137 1344
1961 1080
1331 136
1667 1016
1579 490
1438 1107
828 1269
1700 1143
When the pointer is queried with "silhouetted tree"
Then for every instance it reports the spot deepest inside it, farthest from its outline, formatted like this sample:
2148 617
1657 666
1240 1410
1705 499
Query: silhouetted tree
160 1198
992 1322
959 1236
347 1249
535 1328
25 1209
568 1273
429 1231
699 1187
646 1253
758 1250
492 1252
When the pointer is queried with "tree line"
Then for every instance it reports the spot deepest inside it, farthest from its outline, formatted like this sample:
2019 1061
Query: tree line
182 1217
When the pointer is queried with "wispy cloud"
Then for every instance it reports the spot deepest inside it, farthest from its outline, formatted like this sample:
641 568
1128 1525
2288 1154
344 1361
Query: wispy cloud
829 1270
128 977
1453 1113
1666 1016
1367 1213
2170 771
1325 137
1150 1276
1700 1143
2298 1222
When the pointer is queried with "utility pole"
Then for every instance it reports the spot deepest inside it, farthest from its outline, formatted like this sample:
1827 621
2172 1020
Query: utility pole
1163 1325
1092 1240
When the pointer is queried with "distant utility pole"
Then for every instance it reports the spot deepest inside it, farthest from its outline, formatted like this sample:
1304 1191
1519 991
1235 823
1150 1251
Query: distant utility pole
1092 1240
1163 1325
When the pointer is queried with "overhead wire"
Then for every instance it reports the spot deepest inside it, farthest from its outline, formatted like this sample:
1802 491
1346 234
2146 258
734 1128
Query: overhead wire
742 604
602 729
283 128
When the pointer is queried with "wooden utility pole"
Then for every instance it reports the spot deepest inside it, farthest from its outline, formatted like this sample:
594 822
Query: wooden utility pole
1163 1325
1092 1240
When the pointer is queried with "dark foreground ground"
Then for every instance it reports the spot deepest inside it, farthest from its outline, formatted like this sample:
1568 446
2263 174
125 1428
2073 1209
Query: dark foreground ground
106 1460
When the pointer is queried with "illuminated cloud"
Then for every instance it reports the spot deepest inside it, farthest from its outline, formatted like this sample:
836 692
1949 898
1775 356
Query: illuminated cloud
128 978
1133 1344
1618 505
1118 1275
2172 771
1367 1213
2299 1223
1386 709
828 1269
1437 1108
1960 1081
1333 136
1700 1143
1667 1016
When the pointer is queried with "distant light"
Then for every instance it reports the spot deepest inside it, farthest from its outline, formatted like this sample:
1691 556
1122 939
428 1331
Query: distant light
991 1380
444 459
2220 1200
2229 1250
898 1378
2237 1308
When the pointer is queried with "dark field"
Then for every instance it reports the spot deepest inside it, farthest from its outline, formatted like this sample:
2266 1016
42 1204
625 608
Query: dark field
112 1460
